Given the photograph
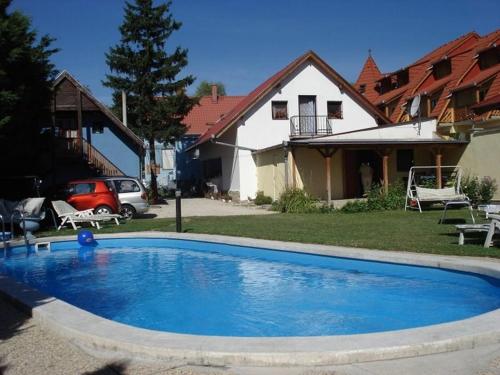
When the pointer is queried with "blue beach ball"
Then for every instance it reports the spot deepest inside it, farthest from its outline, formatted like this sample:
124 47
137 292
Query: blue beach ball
86 238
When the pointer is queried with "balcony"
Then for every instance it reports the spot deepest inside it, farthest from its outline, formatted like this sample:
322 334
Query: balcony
310 126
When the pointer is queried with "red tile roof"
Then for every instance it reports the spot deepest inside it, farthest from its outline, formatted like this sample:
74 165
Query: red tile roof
264 88
369 74
489 102
477 78
463 54
207 113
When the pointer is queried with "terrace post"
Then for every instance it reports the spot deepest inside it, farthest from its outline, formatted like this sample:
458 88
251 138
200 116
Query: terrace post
79 120
438 168
327 154
385 168
285 157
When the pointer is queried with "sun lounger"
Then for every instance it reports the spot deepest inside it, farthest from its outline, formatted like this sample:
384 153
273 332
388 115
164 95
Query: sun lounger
493 229
470 228
70 215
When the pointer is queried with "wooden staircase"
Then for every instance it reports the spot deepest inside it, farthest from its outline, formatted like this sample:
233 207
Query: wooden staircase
75 148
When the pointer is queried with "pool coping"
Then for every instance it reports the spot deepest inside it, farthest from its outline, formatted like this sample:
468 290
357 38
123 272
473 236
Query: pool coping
108 338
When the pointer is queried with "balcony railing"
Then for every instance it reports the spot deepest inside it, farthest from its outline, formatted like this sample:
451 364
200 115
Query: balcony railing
310 126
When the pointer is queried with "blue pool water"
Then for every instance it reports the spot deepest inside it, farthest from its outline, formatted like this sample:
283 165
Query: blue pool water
214 289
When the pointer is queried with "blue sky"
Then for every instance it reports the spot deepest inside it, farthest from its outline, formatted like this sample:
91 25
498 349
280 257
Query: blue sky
241 43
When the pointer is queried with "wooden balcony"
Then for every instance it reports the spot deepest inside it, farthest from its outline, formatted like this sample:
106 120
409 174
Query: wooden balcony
310 126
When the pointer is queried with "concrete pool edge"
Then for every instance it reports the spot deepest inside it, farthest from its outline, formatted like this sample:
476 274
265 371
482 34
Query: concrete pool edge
93 333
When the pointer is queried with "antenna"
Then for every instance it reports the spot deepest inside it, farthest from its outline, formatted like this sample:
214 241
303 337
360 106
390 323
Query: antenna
415 110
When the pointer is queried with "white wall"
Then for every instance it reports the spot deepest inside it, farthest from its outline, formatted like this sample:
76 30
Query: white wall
258 130
229 158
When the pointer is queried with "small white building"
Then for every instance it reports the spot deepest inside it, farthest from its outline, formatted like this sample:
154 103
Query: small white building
307 127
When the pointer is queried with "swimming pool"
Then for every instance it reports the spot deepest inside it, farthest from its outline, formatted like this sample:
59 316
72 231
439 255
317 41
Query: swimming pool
213 289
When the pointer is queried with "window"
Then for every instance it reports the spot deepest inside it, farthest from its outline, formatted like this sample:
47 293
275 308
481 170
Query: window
464 98
483 90
403 77
434 99
362 89
168 159
280 110
97 127
404 160
84 188
489 58
127 186
441 69
334 110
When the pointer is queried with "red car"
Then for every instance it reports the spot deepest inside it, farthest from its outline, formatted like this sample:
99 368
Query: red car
97 194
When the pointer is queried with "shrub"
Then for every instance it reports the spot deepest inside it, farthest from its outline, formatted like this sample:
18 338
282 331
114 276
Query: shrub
295 201
479 191
261 199
377 200
487 189
355 207
470 187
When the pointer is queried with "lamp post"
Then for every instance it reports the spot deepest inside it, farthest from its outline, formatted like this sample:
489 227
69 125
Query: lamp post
178 216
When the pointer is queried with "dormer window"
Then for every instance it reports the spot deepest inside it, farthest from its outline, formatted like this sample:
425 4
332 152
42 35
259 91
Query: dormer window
403 77
441 69
464 98
362 89
489 58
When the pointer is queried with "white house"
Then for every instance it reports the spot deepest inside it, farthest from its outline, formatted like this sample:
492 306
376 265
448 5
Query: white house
308 127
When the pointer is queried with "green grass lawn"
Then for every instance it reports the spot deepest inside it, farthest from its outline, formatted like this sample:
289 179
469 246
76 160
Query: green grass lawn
389 230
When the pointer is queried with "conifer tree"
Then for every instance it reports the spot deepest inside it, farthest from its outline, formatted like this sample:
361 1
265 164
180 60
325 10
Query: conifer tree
142 67
26 75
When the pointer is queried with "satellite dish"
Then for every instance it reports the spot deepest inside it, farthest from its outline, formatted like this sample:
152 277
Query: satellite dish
415 106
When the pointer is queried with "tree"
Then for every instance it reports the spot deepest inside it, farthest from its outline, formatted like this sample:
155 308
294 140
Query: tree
141 66
26 76
205 88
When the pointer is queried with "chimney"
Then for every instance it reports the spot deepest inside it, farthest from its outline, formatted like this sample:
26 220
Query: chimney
215 96
124 108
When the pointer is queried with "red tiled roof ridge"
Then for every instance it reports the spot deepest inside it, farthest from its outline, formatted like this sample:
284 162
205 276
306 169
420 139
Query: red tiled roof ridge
442 48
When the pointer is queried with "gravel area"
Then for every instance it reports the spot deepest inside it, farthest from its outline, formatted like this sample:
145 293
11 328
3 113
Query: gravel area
26 348
205 207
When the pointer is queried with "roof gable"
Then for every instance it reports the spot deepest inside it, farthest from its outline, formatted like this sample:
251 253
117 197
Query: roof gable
89 102
247 103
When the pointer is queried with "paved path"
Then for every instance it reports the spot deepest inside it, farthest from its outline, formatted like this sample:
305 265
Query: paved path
26 348
206 207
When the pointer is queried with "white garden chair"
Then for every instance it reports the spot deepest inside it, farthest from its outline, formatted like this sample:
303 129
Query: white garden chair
70 215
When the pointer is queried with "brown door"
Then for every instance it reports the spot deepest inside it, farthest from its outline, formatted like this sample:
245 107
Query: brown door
351 175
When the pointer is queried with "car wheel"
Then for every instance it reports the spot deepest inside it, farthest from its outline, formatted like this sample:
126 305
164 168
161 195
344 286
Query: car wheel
128 212
103 210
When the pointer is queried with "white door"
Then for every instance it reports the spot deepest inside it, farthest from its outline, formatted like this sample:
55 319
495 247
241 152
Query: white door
307 114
